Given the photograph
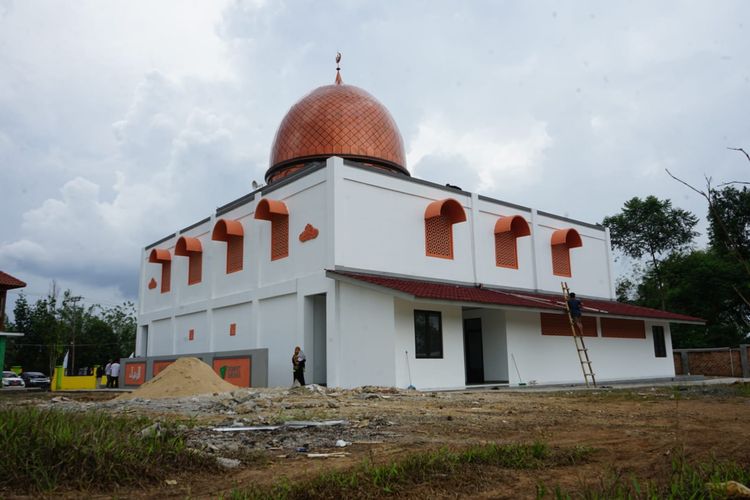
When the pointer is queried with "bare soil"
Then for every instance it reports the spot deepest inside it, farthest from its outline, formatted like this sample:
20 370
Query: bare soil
634 432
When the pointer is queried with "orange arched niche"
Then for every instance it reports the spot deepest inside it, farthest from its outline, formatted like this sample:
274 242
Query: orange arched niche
507 231
276 212
231 232
562 241
192 249
164 258
439 217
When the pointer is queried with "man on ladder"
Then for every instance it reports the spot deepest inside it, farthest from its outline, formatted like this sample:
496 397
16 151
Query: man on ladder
574 305
573 308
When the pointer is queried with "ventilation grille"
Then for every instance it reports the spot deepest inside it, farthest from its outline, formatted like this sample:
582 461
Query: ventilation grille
439 237
234 254
166 276
623 328
561 260
195 268
506 254
279 236
558 324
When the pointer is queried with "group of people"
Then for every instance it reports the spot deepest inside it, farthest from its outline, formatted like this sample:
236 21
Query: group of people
112 373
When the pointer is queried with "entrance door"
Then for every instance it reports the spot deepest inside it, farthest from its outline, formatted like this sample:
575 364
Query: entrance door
473 354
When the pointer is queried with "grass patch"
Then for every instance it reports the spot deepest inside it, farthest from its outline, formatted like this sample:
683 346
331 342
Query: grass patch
368 480
686 481
44 450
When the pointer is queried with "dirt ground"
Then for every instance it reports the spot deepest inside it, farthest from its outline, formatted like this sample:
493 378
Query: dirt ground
633 432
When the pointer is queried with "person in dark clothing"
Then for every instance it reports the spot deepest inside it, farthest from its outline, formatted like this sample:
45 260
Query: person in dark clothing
298 365
574 305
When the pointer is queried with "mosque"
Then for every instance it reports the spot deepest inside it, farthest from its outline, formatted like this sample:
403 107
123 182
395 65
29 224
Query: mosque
382 278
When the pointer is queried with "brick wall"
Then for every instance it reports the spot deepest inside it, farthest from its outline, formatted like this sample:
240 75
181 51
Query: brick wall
717 362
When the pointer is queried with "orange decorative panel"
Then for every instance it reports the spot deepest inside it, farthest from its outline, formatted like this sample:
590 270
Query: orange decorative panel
561 260
163 257
195 268
623 328
341 120
135 373
279 236
236 371
506 253
158 366
193 250
235 250
439 237
232 232
166 276
191 334
309 233
233 329
559 324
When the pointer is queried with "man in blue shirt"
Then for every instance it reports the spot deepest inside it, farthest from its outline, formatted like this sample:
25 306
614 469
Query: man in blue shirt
575 311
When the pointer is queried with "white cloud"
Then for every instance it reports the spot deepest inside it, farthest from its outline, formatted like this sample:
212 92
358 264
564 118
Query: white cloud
495 154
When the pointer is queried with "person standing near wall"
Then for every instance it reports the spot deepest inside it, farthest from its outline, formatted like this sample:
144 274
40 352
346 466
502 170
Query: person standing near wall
115 374
298 366
108 373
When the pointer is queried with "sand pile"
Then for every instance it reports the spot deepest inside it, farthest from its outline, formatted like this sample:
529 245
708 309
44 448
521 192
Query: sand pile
185 377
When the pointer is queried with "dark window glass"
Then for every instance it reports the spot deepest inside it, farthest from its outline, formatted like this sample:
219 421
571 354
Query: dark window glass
660 348
428 334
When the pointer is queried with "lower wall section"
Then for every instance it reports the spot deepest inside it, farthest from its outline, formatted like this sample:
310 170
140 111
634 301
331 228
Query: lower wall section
244 368
544 359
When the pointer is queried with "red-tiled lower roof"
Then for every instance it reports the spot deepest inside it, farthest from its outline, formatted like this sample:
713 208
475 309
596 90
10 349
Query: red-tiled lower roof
511 298
8 282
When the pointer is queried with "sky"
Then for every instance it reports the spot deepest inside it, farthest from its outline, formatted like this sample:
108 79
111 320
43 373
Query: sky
124 121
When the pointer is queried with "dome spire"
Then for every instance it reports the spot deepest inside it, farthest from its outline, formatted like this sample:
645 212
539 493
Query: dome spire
339 81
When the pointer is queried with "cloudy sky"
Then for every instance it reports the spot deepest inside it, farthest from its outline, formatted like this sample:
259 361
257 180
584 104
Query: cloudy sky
123 121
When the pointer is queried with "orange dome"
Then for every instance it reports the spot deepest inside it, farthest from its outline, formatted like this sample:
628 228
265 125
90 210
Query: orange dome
341 120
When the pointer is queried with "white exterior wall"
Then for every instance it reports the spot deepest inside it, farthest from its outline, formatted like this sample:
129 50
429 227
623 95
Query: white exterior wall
589 264
161 338
429 373
277 331
241 315
380 227
487 214
366 337
552 359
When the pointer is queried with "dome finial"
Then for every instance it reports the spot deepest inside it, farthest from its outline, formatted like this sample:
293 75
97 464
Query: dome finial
339 81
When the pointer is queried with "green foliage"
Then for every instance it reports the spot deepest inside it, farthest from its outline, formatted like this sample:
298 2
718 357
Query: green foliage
52 325
729 221
654 229
44 450
702 284
651 227
369 481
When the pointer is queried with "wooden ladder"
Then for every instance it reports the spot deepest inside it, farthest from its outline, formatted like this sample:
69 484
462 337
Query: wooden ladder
583 353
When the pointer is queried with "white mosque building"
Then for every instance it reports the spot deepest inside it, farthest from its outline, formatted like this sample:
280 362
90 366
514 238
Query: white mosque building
381 278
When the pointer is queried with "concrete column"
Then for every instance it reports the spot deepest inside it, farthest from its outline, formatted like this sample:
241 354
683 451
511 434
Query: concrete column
744 360
685 363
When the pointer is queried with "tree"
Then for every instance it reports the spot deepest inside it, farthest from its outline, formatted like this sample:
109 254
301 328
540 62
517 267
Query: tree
53 326
700 283
654 229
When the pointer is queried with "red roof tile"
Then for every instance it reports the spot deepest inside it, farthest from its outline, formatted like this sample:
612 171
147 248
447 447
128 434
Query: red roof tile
512 298
7 282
